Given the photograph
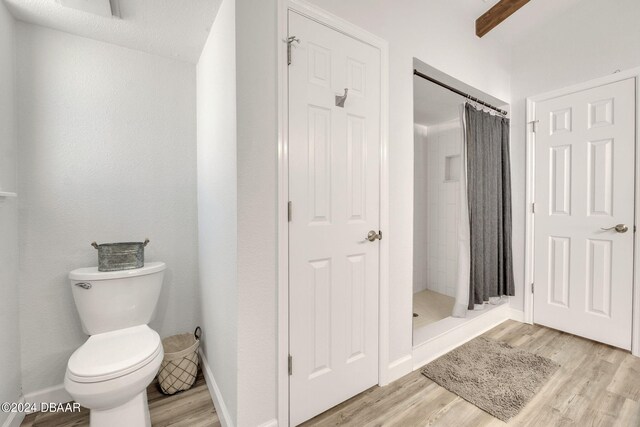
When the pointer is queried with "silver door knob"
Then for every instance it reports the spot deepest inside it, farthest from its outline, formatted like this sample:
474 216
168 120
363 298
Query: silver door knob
620 228
373 236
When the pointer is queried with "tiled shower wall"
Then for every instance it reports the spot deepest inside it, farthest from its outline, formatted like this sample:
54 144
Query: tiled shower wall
436 204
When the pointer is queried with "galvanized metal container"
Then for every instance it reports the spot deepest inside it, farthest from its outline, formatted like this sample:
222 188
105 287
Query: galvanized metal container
120 256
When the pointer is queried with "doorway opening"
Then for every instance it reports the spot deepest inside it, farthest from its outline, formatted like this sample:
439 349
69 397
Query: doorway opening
439 167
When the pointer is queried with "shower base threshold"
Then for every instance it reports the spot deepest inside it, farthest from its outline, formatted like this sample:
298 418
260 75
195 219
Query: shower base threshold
433 340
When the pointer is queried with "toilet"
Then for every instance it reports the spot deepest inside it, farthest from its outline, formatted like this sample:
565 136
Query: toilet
110 372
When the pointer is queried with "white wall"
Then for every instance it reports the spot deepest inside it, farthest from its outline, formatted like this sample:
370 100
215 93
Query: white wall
591 40
421 264
217 204
10 379
107 147
256 39
436 208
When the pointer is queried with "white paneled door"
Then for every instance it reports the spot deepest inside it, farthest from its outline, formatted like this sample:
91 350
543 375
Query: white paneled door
584 212
334 180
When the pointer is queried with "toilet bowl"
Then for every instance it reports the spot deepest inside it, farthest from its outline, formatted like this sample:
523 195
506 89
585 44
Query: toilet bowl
110 372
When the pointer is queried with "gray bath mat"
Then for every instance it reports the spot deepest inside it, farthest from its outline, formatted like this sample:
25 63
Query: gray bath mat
492 375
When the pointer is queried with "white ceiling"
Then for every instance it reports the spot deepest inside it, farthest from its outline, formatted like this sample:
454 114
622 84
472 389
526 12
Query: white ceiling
179 28
433 104
172 28
519 25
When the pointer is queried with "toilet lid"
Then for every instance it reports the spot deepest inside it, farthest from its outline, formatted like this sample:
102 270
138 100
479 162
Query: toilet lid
114 354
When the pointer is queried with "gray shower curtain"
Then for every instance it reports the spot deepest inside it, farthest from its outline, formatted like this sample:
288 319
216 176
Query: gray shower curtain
489 195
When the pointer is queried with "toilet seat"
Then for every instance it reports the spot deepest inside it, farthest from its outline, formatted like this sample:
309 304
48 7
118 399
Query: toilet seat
114 354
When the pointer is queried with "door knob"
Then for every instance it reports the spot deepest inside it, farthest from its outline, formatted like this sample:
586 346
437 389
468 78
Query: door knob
620 228
373 236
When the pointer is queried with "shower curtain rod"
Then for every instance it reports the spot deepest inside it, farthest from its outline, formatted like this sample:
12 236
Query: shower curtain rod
459 92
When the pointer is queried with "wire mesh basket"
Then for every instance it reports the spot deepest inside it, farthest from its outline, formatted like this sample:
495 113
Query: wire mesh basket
179 367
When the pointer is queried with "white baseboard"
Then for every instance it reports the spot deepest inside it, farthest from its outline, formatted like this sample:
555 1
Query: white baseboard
54 394
435 347
517 315
15 418
216 395
270 423
398 369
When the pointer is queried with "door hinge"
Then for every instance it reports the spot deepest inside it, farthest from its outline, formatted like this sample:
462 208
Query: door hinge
532 287
290 362
290 40
533 208
289 211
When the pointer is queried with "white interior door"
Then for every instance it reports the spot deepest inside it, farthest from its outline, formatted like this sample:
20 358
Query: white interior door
334 174
584 184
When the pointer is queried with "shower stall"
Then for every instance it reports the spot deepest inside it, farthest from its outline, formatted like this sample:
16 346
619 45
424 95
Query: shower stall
462 222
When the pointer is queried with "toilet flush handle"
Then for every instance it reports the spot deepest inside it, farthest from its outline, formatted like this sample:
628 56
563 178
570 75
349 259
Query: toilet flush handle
84 285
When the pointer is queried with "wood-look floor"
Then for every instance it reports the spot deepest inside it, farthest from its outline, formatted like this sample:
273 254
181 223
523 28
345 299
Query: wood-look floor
596 385
191 408
430 307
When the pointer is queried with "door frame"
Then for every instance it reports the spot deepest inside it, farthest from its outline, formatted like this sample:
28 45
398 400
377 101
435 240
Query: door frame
530 192
316 14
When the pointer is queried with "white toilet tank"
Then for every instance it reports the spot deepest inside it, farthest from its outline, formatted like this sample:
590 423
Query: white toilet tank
112 300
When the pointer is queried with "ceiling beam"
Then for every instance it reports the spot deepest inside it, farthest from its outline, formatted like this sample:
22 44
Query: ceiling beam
498 13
